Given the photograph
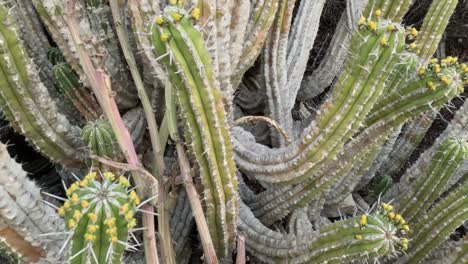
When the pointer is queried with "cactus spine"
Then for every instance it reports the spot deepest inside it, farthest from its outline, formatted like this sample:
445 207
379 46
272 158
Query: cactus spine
98 214
175 37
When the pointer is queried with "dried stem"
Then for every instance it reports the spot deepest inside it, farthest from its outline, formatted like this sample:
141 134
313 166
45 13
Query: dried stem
159 166
240 259
203 231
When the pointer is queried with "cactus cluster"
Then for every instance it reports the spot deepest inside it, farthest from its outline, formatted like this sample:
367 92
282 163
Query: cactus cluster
142 99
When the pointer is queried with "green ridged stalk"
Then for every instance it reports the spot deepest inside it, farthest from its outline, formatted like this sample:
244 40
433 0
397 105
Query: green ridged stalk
98 214
429 186
437 85
436 225
189 67
27 103
393 10
100 139
376 46
433 28
371 235
69 84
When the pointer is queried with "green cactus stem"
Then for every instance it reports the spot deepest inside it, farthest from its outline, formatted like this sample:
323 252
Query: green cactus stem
99 212
377 46
69 84
99 137
430 34
27 103
447 160
174 36
370 235
437 224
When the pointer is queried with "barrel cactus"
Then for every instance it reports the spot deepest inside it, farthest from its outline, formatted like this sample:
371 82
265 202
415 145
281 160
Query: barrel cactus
234 131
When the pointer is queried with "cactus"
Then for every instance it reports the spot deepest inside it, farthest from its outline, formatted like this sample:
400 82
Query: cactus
313 178
69 85
98 215
174 33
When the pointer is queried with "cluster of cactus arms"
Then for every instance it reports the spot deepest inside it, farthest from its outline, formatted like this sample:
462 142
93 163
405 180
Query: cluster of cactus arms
202 131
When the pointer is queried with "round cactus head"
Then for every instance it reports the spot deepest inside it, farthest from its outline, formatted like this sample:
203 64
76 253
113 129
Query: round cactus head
99 137
99 212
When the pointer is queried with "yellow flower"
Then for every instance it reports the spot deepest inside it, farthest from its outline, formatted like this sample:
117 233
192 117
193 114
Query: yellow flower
398 217
61 211
177 17
196 13
405 227
159 20
123 181
84 204
66 204
421 71
110 221
445 80
372 25
391 27
132 223
111 231
90 176
113 239
359 237
134 197
129 215
108 176
378 13
71 189
362 21
71 223
363 220
76 215
125 208
84 183
414 32
164 37
437 68
92 217
92 228
74 198
391 215
412 46
89 237
383 42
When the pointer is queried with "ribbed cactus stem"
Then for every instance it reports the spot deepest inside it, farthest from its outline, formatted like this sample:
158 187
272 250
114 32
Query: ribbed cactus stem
99 137
437 85
188 65
436 225
448 159
98 214
27 103
370 235
435 22
69 84
377 46
25 220
393 10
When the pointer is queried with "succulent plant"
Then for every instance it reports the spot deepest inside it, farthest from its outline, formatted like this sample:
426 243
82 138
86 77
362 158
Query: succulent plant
216 115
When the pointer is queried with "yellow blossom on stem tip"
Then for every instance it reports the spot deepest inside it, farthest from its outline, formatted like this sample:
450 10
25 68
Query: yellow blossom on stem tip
378 13
361 21
84 204
372 25
92 217
196 13
74 198
363 220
